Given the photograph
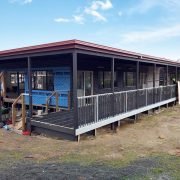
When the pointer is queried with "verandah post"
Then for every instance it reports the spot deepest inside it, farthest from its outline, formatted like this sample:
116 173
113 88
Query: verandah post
137 83
18 91
28 121
112 84
75 101
154 82
167 71
113 125
176 73
176 88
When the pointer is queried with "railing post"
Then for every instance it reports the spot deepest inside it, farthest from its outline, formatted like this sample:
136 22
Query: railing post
57 101
14 109
97 108
160 94
13 114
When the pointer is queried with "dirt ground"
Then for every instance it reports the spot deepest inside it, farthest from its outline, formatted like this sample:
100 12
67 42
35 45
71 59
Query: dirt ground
148 149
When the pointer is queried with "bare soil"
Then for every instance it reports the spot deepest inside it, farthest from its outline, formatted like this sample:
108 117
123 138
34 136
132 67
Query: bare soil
148 149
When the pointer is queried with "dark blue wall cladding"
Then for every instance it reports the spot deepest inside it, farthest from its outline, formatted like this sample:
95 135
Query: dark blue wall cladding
62 77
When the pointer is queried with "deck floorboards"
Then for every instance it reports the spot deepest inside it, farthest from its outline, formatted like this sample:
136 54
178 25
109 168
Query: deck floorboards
62 118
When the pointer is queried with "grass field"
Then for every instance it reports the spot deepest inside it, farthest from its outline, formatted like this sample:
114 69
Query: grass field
148 149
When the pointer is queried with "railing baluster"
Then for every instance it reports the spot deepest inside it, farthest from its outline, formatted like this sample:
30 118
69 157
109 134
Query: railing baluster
95 108
126 102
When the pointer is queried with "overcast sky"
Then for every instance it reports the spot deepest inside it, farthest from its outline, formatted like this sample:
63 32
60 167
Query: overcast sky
145 26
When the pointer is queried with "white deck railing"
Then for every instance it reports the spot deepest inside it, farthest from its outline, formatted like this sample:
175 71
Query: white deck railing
95 108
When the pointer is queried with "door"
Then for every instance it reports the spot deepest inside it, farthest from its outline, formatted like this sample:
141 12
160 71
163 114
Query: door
85 83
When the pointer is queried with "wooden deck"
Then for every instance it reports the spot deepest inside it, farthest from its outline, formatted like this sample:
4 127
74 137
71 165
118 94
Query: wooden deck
99 110
59 124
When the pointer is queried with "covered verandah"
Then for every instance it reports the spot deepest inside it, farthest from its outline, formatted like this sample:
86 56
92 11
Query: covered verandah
103 88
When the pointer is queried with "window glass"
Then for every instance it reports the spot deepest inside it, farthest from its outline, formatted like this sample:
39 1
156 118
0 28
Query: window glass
104 79
143 78
107 79
14 78
80 82
42 80
129 78
101 79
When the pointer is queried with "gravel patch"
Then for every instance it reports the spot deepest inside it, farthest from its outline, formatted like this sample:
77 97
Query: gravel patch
51 171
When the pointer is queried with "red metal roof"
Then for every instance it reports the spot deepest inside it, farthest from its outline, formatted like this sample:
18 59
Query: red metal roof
71 44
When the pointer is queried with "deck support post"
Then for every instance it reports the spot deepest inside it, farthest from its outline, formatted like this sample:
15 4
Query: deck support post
28 121
92 132
75 101
133 118
77 138
146 112
114 126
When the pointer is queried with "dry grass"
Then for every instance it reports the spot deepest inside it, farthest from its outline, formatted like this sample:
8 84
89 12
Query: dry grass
151 135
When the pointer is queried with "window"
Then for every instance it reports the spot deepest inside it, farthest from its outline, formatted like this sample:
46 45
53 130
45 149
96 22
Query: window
143 78
162 77
129 78
105 79
14 78
80 83
43 80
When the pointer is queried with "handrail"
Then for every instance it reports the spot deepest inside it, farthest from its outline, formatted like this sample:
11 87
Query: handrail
97 108
56 94
19 100
134 90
